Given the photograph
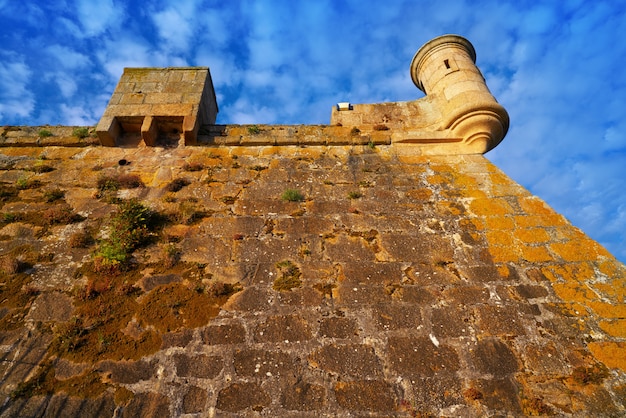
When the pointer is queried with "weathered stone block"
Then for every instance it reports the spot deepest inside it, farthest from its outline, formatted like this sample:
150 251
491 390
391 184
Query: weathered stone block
127 372
283 329
498 320
224 334
147 404
337 327
494 357
240 396
451 321
303 397
194 400
201 366
263 364
353 360
366 395
420 356
395 316
177 339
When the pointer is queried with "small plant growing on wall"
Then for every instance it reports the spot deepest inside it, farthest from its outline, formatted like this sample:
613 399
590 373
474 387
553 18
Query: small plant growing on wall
289 276
354 195
8 218
80 239
59 215
42 168
193 166
23 183
80 132
128 230
292 195
53 195
177 184
254 129
44 133
109 184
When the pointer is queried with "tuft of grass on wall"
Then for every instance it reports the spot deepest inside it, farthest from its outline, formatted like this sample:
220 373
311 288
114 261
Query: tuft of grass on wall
289 277
44 133
177 185
53 195
129 229
80 132
292 195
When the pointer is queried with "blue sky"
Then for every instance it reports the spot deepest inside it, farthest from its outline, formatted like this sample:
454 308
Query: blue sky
558 67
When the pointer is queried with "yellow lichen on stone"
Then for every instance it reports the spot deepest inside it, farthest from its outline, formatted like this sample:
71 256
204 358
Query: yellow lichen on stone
499 223
497 178
490 207
575 250
533 221
615 328
573 292
610 268
438 179
536 206
535 254
532 235
474 194
450 208
607 310
614 290
465 182
498 237
503 254
612 354
579 272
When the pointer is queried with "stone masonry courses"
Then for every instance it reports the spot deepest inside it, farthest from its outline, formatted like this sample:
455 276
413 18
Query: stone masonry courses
378 266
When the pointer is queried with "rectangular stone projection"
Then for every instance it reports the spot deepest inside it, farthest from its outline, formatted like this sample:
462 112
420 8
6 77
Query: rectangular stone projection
153 103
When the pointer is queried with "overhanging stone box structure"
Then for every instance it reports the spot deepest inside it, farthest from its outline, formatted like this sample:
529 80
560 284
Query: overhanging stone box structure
150 104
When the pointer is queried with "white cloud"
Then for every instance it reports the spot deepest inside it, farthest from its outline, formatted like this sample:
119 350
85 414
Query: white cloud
98 17
66 84
69 58
67 26
77 115
16 100
245 112
173 28
124 52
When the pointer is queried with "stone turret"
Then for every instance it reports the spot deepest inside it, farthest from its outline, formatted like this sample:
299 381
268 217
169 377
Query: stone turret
459 115
444 68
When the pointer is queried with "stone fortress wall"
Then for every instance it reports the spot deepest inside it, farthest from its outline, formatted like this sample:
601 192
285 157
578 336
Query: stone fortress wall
377 266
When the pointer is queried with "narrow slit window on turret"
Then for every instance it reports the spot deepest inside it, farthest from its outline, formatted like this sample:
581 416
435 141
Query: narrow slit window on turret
447 64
